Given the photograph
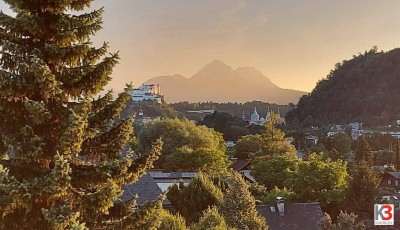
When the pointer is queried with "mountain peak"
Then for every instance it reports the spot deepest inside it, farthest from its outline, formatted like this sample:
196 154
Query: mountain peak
217 65
214 68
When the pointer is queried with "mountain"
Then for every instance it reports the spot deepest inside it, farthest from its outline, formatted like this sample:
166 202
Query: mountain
363 89
218 82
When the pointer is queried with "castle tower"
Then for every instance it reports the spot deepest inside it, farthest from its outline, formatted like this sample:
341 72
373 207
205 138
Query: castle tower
268 115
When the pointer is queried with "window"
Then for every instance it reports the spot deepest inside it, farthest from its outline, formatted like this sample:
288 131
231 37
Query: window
389 182
396 182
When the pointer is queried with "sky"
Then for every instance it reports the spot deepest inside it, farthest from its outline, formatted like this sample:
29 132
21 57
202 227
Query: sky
293 42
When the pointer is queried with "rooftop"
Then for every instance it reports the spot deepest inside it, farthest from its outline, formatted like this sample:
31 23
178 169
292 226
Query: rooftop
146 189
238 164
297 216
395 174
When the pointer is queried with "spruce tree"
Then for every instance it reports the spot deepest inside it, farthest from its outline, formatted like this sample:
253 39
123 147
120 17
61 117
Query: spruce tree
61 164
363 152
238 207
211 220
362 191
192 199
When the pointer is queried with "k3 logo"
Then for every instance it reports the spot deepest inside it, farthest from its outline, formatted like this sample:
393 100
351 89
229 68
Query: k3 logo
384 214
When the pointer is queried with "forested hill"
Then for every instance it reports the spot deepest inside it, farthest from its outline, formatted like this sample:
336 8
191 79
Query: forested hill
365 88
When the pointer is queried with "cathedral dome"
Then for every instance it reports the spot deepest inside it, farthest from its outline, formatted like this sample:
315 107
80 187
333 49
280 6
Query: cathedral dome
255 116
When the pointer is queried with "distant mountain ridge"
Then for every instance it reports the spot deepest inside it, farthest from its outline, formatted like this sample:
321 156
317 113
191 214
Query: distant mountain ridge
218 82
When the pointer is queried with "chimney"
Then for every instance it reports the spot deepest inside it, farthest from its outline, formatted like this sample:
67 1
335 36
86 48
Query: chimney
280 203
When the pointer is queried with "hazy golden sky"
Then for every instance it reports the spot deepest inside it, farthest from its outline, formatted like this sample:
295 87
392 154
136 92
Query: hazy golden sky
294 43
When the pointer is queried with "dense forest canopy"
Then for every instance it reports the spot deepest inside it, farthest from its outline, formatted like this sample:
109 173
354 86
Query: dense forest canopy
363 89
233 108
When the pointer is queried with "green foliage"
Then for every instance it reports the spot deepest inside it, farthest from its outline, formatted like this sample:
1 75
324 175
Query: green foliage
319 180
238 206
273 172
171 222
363 152
377 141
397 157
149 216
211 220
345 221
61 163
270 143
150 109
384 157
206 160
231 127
192 199
257 190
340 145
308 121
249 146
359 89
362 191
197 148
270 196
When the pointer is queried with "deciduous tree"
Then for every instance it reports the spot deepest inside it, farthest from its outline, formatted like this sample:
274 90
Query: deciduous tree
319 180
198 148
273 172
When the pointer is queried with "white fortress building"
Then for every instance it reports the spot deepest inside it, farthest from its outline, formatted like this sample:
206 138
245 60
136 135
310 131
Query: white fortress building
146 92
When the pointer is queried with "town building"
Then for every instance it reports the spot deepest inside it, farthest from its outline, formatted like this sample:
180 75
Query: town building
311 139
165 179
355 125
243 166
391 179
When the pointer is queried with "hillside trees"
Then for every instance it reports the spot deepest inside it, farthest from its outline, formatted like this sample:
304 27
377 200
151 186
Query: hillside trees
61 163
340 146
186 146
358 89
232 128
